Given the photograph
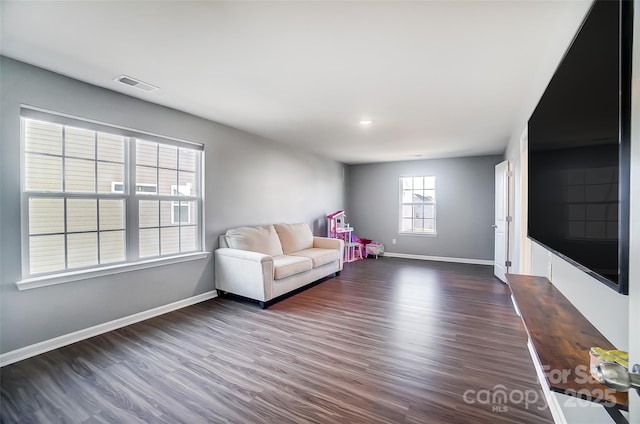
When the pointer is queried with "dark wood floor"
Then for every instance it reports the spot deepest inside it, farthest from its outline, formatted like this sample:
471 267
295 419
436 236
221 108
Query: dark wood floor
389 341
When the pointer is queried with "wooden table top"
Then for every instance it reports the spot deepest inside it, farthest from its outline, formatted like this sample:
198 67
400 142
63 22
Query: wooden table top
562 337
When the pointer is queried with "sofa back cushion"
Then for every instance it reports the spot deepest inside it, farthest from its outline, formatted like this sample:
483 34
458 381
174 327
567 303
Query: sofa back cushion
294 237
261 239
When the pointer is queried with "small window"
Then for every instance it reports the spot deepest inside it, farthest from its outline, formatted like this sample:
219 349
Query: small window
146 189
181 211
418 205
117 187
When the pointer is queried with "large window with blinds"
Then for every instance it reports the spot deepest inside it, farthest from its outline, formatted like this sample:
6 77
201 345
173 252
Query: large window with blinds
95 195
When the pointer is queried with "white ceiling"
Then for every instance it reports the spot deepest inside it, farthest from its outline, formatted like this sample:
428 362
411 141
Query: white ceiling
438 78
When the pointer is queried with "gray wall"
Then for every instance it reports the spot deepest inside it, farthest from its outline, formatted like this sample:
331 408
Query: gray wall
249 180
464 211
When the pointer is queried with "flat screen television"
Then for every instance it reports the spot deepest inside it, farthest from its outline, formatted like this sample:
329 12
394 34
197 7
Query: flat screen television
578 150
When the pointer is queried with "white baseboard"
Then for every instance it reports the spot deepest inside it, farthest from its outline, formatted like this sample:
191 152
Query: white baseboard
439 258
552 401
66 339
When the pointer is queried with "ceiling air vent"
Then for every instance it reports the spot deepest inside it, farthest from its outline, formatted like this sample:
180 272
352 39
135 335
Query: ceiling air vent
132 82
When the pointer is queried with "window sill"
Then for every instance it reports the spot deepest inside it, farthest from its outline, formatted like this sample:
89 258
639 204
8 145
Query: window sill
407 233
67 277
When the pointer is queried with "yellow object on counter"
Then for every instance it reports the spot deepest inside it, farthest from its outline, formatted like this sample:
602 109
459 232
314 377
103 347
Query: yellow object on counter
617 356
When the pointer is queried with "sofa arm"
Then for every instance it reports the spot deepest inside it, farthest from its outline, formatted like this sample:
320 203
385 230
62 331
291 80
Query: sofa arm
328 243
245 273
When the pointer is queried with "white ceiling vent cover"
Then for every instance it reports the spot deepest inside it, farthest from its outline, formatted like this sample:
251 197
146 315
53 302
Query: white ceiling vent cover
132 82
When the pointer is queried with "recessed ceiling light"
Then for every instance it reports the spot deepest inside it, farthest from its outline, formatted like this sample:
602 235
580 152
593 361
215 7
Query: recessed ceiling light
365 122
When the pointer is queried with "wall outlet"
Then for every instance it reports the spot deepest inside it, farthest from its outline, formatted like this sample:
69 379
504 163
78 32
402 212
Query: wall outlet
393 241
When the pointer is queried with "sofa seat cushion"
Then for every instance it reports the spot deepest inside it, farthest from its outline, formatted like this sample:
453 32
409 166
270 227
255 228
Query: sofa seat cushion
261 239
294 237
285 265
319 256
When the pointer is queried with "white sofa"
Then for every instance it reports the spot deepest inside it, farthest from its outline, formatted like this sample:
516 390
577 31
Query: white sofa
269 261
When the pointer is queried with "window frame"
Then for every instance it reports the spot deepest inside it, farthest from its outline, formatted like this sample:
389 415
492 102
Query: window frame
434 203
132 260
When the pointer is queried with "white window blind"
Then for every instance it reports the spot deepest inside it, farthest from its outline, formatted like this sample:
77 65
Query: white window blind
167 225
418 205
80 208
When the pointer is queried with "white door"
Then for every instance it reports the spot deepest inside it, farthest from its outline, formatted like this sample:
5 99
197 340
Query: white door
501 221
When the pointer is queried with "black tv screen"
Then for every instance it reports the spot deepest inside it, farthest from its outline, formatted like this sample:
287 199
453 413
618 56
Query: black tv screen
578 154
